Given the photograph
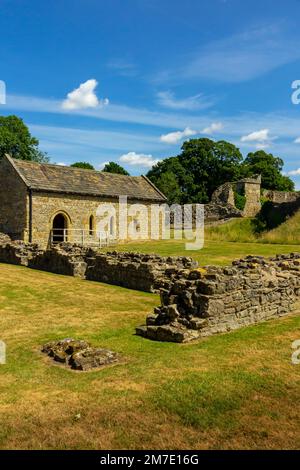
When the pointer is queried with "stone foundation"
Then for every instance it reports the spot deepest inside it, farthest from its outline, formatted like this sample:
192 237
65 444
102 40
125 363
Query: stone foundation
137 271
144 272
213 300
78 354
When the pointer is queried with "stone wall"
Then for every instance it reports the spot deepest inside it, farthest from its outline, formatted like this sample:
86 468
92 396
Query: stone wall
14 203
250 187
223 195
213 300
145 272
281 196
77 211
137 271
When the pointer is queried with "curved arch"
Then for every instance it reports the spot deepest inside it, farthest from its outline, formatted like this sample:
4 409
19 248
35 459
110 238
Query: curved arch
59 227
62 211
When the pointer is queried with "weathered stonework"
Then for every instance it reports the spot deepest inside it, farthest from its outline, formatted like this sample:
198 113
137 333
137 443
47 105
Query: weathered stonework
250 187
281 197
213 300
144 272
32 195
78 354
14 203
137 271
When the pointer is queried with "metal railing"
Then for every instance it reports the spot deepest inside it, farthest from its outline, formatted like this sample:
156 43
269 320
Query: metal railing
82 237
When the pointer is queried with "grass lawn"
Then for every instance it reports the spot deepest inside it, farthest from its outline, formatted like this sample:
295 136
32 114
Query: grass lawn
214 252
237 390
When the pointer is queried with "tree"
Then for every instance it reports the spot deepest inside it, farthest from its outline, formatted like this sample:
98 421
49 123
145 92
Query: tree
16 140
171 178
202 166
269 167
113 167
84 165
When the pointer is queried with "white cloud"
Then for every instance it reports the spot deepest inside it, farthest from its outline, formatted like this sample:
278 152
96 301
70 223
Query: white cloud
168 100
174 137
242 56
214 127
132 158
102 165
257 136
84 97
122 67
297 141
293 172
260 139
61 164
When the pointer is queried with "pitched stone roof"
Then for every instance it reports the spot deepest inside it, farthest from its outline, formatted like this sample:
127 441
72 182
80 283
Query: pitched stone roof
69 180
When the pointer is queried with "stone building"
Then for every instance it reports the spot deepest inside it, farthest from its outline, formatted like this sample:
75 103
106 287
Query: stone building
44 203
251 189
223 197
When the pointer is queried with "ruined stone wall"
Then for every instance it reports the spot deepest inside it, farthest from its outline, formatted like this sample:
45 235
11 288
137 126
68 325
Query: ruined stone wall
145 272
213 300
195 302
77 210
14 209
250 187
281 196
137 271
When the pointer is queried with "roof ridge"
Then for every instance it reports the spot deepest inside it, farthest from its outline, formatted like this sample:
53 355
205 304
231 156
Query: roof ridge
55 178
72 167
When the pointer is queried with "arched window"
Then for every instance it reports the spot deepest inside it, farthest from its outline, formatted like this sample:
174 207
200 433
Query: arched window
91 225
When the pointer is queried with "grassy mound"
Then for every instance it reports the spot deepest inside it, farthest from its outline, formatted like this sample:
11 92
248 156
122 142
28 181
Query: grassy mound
286 233
236 230
249 231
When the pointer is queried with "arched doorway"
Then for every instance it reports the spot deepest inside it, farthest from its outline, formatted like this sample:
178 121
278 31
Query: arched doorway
59 228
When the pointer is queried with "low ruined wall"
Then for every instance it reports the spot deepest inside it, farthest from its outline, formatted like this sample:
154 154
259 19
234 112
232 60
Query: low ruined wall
213 300
17 252
62 259
281 196
137 271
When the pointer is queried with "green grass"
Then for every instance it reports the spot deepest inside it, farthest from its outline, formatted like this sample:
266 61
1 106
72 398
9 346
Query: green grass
288 232
237 390
225 242
214 252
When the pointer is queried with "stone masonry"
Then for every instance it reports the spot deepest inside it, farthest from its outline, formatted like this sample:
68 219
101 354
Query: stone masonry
145 272
211 300
195 302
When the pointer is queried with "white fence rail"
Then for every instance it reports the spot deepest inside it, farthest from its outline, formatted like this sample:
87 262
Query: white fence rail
81 237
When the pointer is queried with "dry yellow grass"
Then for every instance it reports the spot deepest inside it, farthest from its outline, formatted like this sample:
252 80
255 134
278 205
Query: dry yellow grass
237 390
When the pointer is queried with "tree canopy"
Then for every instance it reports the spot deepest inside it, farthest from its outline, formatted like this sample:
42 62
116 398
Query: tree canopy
84 165
269 167
16 140
203 165
113 167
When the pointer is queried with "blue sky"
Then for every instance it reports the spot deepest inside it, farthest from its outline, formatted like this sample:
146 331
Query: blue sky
101 80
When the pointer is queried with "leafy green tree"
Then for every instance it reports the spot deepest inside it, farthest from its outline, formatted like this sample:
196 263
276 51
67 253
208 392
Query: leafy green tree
16 140
168 184
84 165
269 167
202 166
113 167
171 178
